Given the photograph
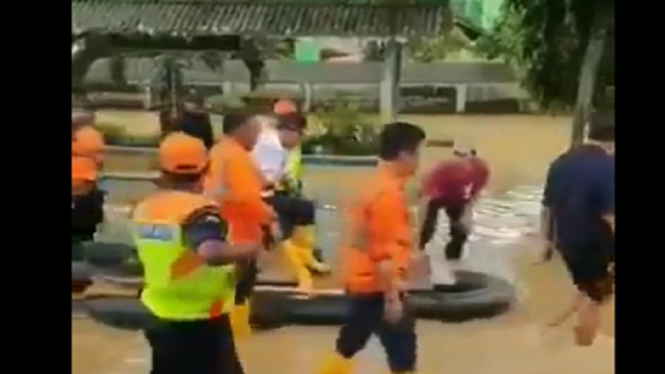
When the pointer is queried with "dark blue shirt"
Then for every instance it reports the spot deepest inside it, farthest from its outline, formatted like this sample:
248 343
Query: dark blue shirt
579 191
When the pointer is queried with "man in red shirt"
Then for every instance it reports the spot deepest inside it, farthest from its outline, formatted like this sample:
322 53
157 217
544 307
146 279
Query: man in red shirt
453 185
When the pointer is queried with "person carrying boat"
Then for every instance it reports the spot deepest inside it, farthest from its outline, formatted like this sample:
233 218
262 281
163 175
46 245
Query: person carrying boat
87 199
378 250
453 186
236 183
87 204
189 290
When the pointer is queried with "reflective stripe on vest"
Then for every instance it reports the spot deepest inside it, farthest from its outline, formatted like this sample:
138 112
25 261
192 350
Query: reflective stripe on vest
179 285
295 168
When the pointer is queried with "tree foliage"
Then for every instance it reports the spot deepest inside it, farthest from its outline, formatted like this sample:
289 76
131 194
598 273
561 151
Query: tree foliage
545 41
437 48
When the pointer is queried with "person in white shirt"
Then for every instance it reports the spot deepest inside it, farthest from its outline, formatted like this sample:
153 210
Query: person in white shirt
279 136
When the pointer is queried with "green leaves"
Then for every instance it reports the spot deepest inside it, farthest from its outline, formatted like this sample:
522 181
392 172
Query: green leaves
545 41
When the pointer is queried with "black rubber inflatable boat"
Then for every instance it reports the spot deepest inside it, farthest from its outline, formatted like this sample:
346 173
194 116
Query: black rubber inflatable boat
128 313
474 296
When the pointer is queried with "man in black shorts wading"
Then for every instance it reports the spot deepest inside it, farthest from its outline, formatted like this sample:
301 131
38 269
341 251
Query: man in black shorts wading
579 200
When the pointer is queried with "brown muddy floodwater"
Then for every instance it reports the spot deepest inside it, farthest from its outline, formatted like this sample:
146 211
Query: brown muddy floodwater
519 149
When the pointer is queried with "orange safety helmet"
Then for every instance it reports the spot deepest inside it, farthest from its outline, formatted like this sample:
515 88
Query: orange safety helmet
180 153
87 142
284 107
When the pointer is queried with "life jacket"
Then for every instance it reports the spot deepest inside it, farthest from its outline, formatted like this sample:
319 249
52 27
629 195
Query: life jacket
295 164
179 285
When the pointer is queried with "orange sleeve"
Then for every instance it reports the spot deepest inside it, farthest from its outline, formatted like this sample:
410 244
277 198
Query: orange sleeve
245 190
212 182
383 222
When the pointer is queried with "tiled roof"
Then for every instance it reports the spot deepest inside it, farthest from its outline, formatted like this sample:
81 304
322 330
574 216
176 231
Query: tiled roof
279 18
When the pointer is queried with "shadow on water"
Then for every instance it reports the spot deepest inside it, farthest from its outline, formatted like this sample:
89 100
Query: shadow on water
502 244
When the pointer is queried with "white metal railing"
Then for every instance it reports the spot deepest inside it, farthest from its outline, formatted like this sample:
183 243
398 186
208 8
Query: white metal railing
124 150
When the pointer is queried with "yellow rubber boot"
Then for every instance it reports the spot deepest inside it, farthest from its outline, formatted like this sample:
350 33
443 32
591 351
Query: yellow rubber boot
336 364
240 321
300 270
303 236
307 255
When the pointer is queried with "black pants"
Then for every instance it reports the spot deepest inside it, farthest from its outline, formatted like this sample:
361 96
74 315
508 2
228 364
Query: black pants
87 213
248 272
366 318
193 347
292 211
458 232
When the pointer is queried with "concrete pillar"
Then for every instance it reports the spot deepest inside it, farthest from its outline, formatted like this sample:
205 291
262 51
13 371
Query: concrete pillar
307 93
389 86
460 98
227 87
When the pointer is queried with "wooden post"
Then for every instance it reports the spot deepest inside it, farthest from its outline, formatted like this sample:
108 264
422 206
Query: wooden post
117 70
588 74
307 91
253 60
460 98
389 87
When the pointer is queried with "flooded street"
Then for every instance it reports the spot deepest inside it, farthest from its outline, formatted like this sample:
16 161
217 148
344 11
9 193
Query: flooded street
502 243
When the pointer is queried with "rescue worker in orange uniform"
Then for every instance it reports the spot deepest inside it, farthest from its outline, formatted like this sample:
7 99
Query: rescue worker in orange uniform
88 142
87 199
377 251
236 183
189 266
84 175
87 203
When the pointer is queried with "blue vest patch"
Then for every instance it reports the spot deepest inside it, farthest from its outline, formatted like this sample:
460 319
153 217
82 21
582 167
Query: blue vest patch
156 232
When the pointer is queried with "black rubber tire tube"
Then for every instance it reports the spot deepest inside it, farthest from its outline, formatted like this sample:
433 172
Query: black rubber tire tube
475 295
80 276
294 309
104 254
127 313
123 313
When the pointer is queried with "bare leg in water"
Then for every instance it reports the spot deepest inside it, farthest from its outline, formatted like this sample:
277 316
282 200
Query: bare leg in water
594 280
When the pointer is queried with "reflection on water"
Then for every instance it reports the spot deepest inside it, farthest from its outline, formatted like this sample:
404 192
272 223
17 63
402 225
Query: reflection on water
512 344
500 223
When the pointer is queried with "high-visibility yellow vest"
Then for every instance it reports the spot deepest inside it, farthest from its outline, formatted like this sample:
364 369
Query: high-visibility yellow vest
178 285
295 165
